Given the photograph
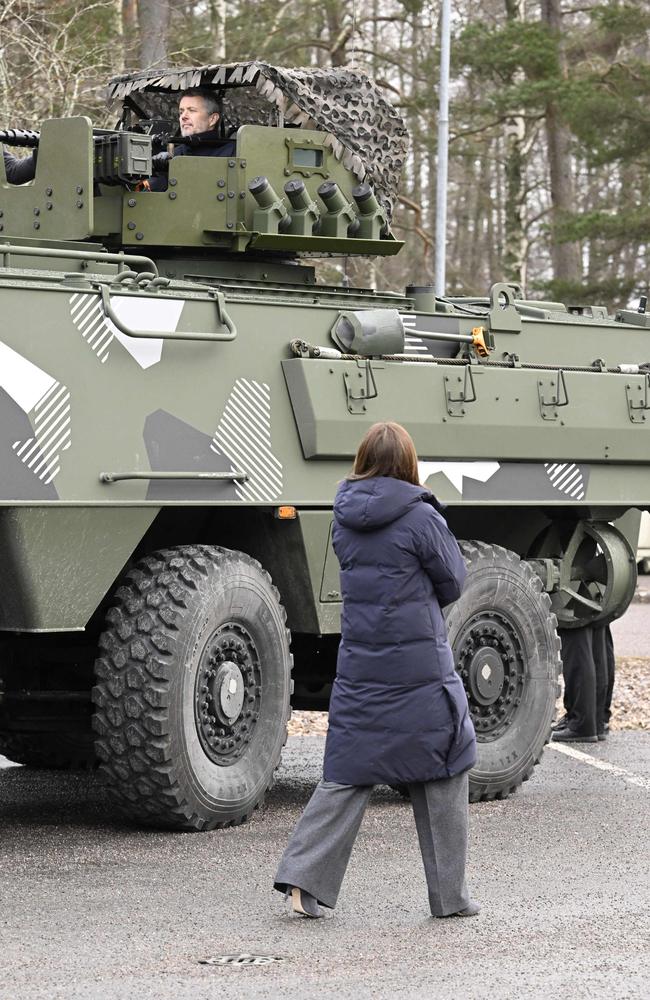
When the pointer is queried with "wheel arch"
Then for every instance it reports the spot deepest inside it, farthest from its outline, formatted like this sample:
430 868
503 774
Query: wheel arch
292 551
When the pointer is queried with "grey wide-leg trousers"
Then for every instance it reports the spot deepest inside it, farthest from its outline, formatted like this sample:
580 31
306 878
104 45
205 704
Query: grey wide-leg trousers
318 852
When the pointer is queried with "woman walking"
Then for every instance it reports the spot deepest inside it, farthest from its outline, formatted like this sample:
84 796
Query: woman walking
398 711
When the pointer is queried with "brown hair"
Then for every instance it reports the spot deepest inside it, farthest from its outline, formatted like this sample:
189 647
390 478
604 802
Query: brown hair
387 449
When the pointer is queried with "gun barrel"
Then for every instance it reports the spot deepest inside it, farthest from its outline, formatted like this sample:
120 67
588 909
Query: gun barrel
20 137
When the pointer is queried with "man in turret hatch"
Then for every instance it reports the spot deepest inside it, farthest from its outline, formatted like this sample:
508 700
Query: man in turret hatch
198 118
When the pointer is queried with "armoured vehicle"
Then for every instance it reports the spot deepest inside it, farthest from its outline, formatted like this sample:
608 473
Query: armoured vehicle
179 397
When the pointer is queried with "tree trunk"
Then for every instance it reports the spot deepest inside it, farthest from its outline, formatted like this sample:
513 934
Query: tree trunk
218 28
514 261
153 17
492 229
514 255
565 256
478 269
338 31
128 31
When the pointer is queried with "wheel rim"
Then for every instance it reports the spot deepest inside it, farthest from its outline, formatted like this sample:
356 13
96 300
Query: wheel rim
490 659
227 698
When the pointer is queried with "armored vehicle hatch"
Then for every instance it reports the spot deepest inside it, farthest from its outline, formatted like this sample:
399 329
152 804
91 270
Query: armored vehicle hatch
313 166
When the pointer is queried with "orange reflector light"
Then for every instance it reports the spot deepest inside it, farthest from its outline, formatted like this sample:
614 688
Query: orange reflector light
286 513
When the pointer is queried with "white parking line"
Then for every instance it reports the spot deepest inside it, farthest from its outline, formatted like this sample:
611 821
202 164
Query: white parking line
602 765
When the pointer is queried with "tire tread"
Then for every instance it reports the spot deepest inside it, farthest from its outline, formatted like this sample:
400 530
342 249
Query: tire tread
133 676
473 550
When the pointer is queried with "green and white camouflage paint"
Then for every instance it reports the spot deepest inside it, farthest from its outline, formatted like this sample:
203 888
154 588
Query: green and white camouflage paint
169 381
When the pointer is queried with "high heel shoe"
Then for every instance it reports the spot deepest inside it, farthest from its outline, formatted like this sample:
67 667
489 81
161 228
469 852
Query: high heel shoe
471 910
303 903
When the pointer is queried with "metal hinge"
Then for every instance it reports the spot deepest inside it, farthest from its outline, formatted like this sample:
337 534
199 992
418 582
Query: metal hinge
552 393
459 391
637 399
360 385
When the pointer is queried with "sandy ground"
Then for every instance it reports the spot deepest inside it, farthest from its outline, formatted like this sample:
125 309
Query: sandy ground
631 703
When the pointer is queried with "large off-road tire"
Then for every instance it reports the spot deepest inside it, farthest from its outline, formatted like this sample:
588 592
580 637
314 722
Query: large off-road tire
193 688
507 651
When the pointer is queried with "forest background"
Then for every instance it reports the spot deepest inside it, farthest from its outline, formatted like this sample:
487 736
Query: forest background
549 119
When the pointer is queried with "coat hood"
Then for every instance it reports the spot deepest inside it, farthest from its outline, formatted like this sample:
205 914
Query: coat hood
367 504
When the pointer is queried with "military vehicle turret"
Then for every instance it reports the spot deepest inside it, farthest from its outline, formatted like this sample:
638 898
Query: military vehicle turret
179 397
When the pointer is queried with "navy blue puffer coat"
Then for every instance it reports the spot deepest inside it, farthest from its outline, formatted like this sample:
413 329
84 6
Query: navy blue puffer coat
398 711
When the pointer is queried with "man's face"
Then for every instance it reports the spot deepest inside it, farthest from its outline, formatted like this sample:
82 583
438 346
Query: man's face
193 116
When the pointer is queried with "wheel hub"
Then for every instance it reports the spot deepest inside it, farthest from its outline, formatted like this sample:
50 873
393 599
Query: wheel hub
490 659
227 693
486 675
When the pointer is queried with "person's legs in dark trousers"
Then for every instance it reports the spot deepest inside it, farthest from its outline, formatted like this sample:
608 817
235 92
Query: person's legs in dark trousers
441 811
599 642
579 672
317 855
611 675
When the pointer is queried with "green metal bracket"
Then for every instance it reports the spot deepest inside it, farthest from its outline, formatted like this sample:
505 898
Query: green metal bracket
360 386
552 393
459 391
633 317
235 193
503 315
307 157
638 399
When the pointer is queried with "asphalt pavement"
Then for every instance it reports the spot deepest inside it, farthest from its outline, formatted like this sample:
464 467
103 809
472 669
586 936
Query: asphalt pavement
92 909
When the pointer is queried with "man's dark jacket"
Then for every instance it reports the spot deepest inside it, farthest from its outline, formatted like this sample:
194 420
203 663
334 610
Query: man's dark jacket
398 711
203 144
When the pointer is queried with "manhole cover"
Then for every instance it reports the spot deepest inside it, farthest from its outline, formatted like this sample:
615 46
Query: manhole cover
244 959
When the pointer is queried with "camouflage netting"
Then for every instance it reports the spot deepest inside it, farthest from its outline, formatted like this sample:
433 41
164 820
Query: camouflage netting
363 128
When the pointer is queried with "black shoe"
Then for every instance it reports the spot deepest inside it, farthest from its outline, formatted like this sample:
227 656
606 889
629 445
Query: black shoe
303 903
570 735
561 723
